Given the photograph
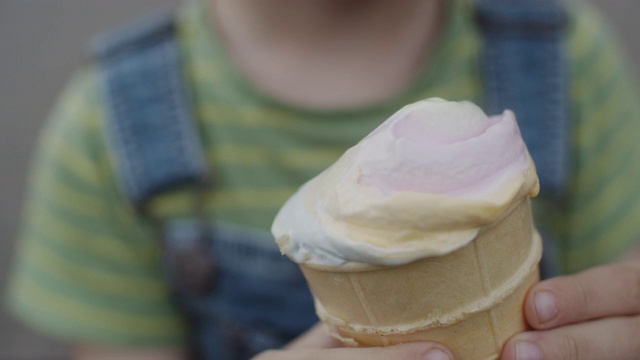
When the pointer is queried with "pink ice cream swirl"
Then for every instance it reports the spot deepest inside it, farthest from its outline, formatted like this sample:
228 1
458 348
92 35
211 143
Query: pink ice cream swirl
422 184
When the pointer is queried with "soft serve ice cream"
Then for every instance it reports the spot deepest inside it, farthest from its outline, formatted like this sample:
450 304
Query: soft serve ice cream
422 184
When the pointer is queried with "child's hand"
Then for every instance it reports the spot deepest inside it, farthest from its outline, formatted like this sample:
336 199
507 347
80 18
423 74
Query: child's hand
316 344
592 315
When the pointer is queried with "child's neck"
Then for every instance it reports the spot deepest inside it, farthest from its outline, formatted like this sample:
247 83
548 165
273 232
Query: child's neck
329 54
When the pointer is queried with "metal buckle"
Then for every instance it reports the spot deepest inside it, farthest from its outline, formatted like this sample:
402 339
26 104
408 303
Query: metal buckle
193 268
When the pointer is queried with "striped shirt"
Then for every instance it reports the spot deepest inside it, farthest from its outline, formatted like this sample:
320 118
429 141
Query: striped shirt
88 267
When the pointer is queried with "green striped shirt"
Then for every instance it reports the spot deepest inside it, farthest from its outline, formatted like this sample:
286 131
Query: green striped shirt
88 268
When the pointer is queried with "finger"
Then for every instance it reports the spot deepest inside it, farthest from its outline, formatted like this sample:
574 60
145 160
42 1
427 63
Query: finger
610 338
316 337
412 351
610 290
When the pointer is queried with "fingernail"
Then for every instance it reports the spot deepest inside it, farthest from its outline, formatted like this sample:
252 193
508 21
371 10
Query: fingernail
436 354
528 351
546 306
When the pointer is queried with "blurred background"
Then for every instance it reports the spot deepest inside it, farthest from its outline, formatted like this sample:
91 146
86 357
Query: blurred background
41 43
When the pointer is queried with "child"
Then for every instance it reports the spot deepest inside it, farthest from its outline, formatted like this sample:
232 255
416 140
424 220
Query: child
280 89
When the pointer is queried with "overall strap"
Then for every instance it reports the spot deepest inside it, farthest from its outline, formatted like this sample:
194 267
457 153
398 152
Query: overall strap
525 70
151 126
155 137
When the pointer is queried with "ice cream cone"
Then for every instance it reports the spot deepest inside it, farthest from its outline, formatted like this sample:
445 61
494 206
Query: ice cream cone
470 300
421 231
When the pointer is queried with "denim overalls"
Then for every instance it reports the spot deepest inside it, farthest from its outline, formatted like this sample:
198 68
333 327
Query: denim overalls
240 295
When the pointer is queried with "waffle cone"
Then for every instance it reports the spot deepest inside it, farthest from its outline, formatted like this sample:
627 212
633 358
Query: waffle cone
470 300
